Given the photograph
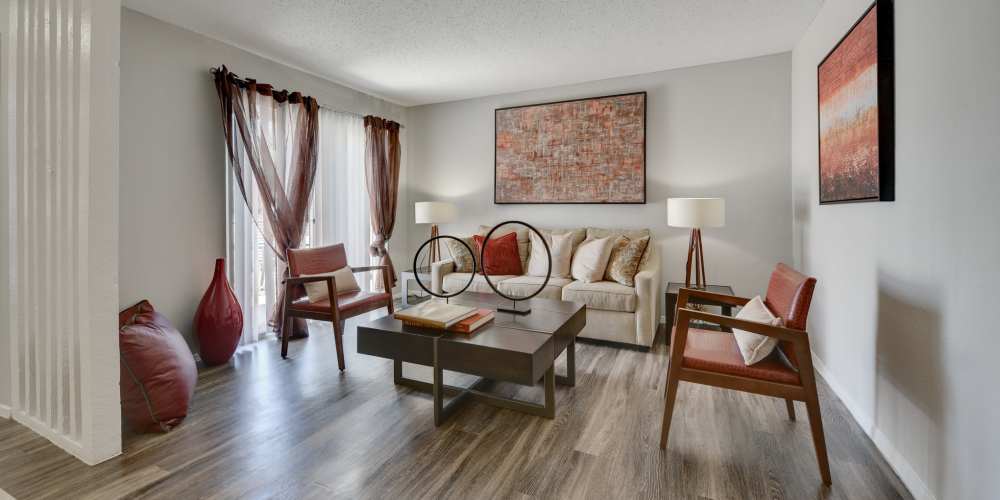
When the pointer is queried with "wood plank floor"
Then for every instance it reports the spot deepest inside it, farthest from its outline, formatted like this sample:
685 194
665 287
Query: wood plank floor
262 427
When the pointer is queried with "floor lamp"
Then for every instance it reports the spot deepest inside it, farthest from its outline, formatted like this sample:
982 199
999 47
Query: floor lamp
696 213
434 213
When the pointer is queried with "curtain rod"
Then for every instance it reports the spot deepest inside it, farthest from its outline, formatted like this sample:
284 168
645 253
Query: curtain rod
213 71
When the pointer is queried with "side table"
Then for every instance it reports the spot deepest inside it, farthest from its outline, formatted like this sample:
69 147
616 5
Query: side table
673 288
406 276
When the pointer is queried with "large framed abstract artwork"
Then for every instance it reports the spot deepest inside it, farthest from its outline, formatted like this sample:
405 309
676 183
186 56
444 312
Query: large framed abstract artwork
580 151
856 125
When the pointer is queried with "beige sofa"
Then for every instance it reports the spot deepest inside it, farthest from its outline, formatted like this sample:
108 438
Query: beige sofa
615 312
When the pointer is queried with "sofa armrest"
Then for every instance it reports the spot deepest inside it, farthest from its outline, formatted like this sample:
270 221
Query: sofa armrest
438 271
647 289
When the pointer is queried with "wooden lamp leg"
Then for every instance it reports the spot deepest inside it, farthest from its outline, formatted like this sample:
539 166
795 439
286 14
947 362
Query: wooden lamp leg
687 267
696 255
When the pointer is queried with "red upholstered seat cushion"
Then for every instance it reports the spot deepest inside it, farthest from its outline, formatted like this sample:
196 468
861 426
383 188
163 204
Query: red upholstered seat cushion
348 303
717 352
158 372
502 257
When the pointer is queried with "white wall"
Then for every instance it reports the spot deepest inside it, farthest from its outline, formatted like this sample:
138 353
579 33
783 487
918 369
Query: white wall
173 158
63 197
902 317
5 373
713 130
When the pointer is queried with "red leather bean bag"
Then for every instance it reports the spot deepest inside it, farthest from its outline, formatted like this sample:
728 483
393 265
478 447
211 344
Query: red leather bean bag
158 372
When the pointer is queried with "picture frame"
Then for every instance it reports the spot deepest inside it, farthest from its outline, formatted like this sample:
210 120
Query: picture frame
526 176
856 112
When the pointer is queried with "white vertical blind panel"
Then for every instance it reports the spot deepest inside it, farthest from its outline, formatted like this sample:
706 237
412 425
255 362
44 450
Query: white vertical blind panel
64 180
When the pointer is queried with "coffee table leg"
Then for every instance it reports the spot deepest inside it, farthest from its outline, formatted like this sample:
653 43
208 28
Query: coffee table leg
550 393
570 378
438 389
397 371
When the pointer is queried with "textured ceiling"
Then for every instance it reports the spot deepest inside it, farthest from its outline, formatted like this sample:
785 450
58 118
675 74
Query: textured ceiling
417 52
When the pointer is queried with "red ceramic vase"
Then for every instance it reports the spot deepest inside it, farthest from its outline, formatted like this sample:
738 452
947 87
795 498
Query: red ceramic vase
219 320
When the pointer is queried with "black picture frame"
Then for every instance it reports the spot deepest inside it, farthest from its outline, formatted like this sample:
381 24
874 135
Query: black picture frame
886 105
645 182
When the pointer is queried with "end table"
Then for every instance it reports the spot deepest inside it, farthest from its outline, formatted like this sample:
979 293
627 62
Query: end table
673 288
406 276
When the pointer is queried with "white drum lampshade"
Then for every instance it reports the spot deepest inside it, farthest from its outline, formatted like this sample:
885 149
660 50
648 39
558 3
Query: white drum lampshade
434 212
696 213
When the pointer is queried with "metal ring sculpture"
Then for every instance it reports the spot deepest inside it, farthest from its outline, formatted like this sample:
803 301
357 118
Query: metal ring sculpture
416 275
548 255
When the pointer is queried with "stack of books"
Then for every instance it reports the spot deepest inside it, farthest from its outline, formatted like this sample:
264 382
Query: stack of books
442 316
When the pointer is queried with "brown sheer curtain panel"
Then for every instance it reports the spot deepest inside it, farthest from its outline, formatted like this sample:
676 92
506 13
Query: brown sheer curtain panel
382 179
271 137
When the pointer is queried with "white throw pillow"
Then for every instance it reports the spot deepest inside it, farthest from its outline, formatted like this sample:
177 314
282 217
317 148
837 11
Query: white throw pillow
561 248
753 346
591 259
318 291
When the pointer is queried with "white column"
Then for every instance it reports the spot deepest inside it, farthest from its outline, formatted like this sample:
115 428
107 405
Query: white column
63 216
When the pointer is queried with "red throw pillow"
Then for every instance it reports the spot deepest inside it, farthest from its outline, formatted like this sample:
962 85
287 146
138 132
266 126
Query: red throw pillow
502 257
158 372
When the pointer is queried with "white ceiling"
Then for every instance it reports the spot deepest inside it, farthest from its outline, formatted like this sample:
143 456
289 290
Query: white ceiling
418 52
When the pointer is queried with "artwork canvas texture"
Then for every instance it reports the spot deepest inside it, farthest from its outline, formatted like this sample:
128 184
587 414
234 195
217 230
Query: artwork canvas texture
581 151
853 130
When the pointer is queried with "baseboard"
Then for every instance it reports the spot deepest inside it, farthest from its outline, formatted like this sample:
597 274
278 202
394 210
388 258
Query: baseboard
4 411
899 464
61 440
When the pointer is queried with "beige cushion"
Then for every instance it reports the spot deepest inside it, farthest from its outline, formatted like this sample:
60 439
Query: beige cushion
344 278
598 232
561 250
523 243
465 262
454 282
522 286
591 259
753 346
603 295
625 257
577 235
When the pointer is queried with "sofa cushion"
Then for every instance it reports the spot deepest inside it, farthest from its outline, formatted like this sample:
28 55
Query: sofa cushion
577 235
603 295
591 259
500 256
560 250
624 261
522 286
523 244
465 262
453 282
633 234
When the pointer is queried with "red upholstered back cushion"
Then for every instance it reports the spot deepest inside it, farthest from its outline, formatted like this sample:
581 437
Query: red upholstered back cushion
789 295
158 372
316 260
501 256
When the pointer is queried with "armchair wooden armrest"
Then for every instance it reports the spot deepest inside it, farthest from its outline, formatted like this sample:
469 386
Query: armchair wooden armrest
778 332
731 300
301 280
363 269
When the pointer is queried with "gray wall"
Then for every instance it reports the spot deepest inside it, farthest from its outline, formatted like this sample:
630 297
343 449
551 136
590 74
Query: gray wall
713 130
173 165
902 317
5 397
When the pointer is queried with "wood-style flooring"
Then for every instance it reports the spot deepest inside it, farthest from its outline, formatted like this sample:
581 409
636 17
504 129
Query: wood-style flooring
263 427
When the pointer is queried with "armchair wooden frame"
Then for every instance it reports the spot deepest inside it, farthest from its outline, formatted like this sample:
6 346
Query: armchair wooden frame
334 315
805 391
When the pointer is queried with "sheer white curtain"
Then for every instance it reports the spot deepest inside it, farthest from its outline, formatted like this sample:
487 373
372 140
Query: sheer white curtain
338 214
340 198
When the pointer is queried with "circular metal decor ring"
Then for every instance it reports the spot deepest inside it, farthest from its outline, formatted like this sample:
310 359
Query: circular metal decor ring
416 275
548 255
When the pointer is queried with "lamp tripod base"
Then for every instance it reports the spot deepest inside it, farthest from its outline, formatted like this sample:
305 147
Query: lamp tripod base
696 256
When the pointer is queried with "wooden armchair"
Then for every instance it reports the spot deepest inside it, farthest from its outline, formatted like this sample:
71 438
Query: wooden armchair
713 358
338 307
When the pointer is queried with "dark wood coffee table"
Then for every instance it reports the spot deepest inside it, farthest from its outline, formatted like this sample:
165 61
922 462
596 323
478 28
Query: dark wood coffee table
512 348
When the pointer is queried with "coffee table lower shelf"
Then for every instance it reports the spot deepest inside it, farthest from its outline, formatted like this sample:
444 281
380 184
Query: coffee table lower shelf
474 392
